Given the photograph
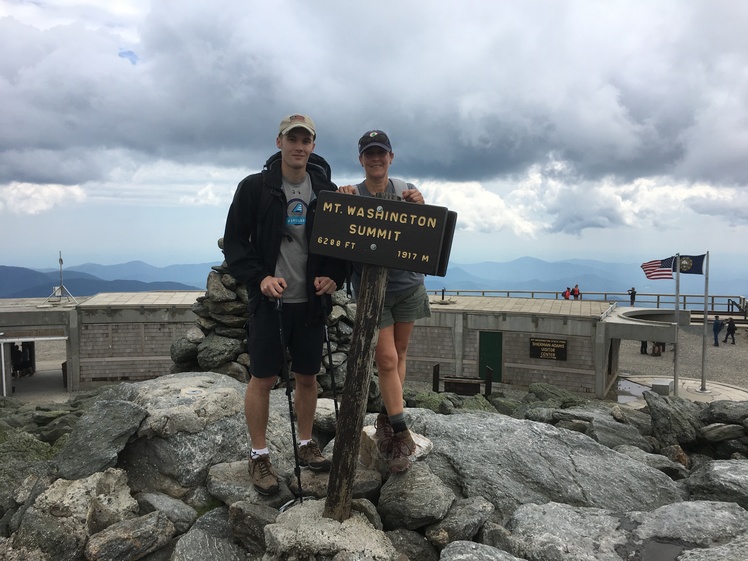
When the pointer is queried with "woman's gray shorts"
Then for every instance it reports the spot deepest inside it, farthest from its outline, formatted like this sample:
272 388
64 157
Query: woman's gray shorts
405 306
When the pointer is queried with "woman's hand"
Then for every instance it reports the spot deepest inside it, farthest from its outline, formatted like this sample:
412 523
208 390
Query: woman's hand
348 189
413 196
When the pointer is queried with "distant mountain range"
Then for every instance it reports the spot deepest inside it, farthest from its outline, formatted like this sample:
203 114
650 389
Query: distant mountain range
90 278
526 273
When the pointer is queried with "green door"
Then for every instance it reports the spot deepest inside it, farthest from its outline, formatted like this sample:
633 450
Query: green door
489 354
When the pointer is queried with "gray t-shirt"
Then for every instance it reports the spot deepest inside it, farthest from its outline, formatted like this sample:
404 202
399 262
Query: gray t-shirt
294 252
397 280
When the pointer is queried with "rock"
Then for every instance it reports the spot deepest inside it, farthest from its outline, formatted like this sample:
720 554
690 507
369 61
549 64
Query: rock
413 545
723 411
464 519
558 531
674 420
414 499
303 533
672 469
549 392
217 290
130 539
248 522
716 432
216 350
194 420
97 440
471 551
721 480
198 545
181 515
511 462
613 434
68 512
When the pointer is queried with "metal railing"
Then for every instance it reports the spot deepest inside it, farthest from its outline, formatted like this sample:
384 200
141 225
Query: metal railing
716 303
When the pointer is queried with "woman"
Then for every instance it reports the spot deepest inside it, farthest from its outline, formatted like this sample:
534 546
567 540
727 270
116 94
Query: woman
405 302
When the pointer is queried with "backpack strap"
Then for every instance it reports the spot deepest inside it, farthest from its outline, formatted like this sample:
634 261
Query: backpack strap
399 186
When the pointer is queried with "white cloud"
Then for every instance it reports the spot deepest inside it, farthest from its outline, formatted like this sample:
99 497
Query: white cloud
30 198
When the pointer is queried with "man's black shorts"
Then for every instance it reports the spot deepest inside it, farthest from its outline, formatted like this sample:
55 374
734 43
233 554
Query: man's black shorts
304 341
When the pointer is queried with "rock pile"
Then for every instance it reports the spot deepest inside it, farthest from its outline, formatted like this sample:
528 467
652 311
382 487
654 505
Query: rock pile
157 470
217 343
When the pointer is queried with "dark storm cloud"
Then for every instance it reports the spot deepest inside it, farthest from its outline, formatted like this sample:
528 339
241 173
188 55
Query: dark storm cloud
473 91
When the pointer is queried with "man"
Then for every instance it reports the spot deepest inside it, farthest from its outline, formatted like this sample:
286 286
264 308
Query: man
716 328
405 302
266 247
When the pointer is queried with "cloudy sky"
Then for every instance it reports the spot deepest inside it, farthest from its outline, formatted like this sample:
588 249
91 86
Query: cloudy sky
613 130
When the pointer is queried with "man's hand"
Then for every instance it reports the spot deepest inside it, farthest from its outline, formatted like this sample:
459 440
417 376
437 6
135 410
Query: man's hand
324 285
413 196
273 287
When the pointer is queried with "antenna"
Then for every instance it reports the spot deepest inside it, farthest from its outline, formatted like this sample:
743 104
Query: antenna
59 292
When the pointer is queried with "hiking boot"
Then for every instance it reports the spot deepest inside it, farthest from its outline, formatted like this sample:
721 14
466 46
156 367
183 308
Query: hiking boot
310 456
383 435
403 446
264 478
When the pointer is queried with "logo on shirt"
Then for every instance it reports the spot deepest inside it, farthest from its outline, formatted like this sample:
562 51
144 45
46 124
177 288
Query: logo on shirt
296 213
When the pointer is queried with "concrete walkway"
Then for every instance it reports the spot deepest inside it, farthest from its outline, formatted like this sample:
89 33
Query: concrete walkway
630 389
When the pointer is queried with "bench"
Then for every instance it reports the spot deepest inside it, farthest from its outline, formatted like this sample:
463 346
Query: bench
462 385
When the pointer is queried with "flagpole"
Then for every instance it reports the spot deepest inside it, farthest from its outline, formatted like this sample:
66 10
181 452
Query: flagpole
706 320
677 325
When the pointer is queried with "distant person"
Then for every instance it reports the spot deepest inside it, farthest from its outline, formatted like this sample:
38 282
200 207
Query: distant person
16 359
716 328
405 301
266 243
656 349
575 292
567 293
632 295
27 368
643 348
730 330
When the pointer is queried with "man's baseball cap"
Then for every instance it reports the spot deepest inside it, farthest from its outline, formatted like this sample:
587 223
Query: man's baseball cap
374 138
296 120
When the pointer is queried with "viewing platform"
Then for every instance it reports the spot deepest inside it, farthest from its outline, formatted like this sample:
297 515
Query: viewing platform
734 306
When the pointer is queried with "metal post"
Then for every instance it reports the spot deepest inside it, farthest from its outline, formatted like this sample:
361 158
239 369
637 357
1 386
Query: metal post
435 379
706 321
677 324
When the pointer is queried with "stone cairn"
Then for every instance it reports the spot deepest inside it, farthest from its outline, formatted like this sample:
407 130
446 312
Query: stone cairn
218 341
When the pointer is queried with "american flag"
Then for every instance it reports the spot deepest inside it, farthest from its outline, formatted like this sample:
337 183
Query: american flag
658 269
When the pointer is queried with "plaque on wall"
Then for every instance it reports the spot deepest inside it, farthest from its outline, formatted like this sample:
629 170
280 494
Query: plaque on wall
549 349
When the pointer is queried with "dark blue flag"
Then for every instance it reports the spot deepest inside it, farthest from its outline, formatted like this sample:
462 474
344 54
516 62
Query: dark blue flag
691 264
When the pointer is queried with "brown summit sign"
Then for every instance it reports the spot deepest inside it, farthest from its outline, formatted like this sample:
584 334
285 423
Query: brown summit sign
386 232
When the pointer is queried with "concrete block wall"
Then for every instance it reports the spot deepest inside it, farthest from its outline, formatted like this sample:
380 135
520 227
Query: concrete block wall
431 345
576 373
127 351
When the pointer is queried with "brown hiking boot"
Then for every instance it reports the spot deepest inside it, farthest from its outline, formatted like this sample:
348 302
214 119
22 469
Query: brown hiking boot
309 455
403 446
264 478
383 436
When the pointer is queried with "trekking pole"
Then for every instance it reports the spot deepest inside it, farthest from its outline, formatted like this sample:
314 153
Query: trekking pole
330 366
287 380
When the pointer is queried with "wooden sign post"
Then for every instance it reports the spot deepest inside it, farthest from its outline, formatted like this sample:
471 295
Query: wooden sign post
381 233
355 393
